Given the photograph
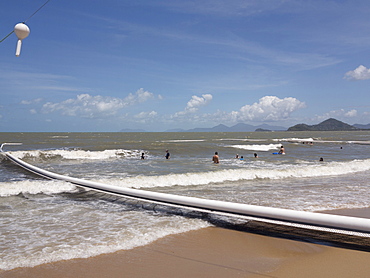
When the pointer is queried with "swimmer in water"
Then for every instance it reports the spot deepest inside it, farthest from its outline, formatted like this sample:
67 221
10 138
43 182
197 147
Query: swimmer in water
167 156
215 158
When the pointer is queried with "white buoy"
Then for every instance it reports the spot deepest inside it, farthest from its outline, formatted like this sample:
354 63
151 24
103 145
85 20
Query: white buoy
22 31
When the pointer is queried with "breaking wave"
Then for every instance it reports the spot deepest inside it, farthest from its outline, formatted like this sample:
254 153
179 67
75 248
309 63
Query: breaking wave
35 187
77 154
257 147
190 179
230 175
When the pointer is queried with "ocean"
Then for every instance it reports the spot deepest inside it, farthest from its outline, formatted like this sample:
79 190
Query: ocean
44 220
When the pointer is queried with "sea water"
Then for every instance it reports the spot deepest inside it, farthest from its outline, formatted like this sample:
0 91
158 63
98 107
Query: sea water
45 220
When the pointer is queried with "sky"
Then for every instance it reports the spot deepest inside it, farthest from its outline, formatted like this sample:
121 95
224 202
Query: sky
156 65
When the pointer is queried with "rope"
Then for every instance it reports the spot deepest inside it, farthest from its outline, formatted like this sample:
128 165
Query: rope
26 20
37 11
7 36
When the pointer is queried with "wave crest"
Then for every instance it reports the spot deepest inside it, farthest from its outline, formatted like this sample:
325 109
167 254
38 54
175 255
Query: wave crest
77 154
253 172
257 147
35 187
230 175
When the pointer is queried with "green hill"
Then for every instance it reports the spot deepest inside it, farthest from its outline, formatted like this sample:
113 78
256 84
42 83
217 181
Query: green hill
327 125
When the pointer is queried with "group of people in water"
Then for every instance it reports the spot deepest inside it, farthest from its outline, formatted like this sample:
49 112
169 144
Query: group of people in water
242 157
216 158
167 155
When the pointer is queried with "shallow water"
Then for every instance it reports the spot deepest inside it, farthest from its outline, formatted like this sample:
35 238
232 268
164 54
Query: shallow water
43 220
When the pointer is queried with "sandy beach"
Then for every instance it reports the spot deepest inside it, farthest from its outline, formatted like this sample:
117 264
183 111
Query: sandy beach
215 252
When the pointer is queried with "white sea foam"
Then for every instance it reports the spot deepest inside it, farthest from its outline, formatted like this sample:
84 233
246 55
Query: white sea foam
59 136
242 139
183 140
251 173
78 154
295 139
318 140
47 226
257 147
35 187
68 235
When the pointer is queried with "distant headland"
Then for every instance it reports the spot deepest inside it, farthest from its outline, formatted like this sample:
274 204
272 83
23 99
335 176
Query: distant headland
327 125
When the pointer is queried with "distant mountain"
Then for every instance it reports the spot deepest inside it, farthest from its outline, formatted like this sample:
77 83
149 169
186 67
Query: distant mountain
362 126
175 130
218 128
240 127
262 130
266 127
327 125
132 130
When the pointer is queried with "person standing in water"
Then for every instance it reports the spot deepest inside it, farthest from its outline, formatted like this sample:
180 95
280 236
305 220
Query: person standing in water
167 156
215 158
282 150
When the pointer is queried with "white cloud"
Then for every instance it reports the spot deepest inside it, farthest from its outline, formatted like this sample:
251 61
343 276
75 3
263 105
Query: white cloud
194 103
145 115
269 108
360 73
341 113
350 114
27 102
222 7
88 106
138 97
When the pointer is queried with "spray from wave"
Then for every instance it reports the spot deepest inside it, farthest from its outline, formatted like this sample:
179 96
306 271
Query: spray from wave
35 187
77 154
257 147
273 172
250 172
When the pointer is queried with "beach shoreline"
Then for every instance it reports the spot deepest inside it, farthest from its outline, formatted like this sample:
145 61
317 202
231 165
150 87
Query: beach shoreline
215 252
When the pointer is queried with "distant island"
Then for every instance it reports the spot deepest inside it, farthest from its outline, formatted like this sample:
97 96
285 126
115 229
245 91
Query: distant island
327 125
240 127
132 130
362 126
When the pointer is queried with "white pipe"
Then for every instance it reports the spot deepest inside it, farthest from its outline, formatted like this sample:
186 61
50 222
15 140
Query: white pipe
18 49
314 218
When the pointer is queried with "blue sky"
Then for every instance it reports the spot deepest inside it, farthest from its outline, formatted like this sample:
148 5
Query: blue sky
91 65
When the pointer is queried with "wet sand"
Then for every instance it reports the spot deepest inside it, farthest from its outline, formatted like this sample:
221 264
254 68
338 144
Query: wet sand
215 252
